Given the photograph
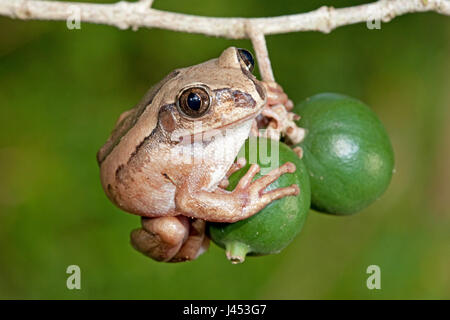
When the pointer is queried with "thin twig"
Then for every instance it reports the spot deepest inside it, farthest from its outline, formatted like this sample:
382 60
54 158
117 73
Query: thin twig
147 3
138 14
262 54
132 14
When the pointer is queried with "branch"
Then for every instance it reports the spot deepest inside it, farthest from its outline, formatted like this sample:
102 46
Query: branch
139 14
262 54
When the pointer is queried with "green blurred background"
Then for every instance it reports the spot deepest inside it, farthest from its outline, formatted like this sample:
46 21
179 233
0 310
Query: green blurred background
62 90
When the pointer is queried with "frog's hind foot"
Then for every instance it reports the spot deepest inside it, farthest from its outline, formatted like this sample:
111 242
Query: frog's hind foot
170 239
160 238
196 244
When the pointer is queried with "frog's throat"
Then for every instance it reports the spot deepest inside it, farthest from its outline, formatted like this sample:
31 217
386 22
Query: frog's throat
197 136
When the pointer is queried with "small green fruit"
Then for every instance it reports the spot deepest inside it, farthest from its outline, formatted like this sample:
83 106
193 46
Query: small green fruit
347 152
274 227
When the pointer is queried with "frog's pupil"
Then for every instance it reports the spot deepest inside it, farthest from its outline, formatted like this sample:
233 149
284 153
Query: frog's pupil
194 101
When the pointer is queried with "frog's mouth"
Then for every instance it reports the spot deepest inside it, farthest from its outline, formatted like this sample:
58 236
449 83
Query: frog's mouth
199 136
239 121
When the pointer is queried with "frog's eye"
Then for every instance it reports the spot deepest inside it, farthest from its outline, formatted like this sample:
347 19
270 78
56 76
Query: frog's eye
247 58
194 102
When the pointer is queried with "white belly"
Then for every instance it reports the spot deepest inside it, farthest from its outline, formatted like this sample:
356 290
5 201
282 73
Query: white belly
224 149
213 152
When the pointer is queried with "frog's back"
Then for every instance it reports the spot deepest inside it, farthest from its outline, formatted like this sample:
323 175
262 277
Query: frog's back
129 119
126 181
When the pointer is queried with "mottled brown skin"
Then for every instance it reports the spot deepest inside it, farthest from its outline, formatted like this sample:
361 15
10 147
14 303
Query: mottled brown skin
165 166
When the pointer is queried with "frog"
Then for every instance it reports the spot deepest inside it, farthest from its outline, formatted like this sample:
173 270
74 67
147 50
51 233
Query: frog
161 161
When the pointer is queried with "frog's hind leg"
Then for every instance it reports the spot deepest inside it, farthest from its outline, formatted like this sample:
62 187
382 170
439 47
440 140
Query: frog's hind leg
161 238
171 239
196 244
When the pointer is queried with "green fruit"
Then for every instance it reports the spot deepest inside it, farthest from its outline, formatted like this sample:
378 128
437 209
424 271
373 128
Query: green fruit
347 152
275 226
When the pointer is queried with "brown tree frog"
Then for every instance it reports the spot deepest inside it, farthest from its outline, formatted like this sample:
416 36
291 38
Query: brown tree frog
162 160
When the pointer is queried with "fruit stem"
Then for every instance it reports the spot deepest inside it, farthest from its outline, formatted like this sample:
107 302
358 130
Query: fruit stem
236 251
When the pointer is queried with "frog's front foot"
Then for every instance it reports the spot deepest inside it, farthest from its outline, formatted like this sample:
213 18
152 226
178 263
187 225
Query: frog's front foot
276 95
277 118
170 239
236 166
247 198
252 194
